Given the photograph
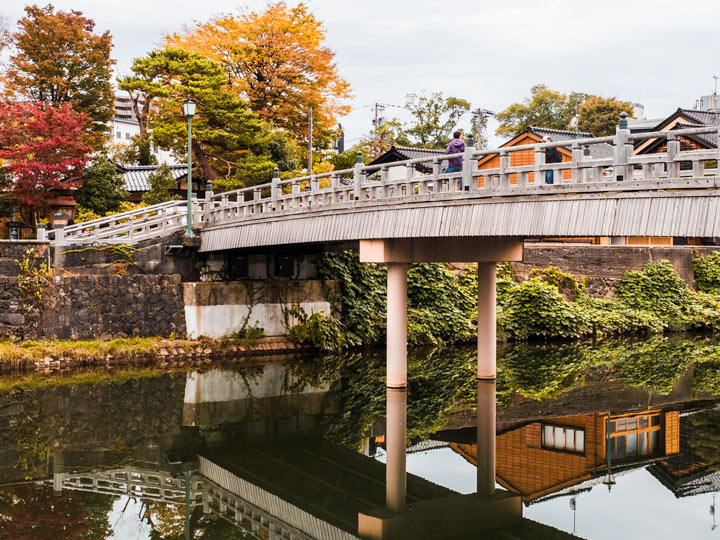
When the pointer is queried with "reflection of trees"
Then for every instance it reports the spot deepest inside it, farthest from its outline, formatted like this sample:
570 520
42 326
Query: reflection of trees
539 371
33 512
167 522
656 364
439 378
705 439
436 379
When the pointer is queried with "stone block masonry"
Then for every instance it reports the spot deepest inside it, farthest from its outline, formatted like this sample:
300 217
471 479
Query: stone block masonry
12 251
605 266
88 307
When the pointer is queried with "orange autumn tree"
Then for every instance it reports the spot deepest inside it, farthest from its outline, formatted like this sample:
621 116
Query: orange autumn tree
277 62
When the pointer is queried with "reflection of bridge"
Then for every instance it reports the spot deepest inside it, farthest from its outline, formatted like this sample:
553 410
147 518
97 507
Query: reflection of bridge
156 485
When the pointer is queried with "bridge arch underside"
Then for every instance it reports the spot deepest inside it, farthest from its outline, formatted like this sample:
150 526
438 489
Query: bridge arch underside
659 213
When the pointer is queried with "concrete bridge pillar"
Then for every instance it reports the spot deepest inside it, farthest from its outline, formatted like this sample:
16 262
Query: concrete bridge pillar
486 338
396 325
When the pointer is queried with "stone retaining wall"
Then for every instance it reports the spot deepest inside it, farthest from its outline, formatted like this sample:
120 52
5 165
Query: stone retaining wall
605 265
87 307
13 250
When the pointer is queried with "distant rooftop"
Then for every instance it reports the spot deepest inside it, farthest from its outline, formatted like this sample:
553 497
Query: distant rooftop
136 177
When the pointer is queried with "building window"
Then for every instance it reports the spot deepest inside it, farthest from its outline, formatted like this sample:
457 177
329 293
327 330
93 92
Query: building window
564 438
127 135
118 135
634 436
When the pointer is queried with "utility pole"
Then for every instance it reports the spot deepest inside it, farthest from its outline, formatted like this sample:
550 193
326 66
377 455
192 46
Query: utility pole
310 139
481 115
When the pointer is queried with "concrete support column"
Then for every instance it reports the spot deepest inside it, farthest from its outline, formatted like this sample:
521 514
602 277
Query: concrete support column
486 339
395 437
486 437
397 325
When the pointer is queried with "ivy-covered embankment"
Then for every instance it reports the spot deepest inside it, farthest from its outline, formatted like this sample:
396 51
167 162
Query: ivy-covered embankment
550 305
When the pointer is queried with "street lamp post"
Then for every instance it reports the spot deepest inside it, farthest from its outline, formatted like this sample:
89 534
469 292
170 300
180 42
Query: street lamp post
189 109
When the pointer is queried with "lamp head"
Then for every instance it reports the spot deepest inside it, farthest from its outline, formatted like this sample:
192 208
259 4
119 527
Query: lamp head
189 108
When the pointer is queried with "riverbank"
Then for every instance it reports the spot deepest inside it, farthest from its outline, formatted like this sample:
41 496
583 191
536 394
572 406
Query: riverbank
158 352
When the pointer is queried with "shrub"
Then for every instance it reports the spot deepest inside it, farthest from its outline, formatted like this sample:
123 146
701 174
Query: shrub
536 309
707 273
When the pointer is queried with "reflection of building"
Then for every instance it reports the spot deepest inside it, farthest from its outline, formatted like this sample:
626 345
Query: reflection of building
688 473
544 457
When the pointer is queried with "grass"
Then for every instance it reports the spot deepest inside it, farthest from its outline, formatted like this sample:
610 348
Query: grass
16 353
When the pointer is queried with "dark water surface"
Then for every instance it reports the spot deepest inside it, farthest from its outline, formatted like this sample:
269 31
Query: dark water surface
614 440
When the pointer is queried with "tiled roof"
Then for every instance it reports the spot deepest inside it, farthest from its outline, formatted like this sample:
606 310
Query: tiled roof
597 151
559 134
709 139
639 126
414 153
136 177
401 153
707 118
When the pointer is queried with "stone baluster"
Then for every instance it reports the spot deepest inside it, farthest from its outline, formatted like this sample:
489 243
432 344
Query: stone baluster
209 204
673 149
504 178
436 164
274 188
577 157
358 176
539 163
468 182
622 170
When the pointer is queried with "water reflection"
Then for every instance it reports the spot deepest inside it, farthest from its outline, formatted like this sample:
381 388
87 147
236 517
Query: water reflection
270 450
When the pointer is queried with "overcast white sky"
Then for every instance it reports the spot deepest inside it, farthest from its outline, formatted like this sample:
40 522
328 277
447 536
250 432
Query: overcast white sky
662 53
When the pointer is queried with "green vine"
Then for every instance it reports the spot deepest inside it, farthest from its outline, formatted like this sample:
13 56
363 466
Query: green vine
33 280
707 273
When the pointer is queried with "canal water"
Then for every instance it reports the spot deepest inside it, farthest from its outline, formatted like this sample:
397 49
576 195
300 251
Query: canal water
612 440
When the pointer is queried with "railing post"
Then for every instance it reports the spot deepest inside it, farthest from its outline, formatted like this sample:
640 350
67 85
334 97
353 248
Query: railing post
208 206
539 165
41 232
59 235
468 183
436 173
274 188
357 176
577 157
384 189
673 149
504 164
587 171
620 161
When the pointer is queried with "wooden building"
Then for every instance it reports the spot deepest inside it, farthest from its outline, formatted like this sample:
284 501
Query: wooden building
534 135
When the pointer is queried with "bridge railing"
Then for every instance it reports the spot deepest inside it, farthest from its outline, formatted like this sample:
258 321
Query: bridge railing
606 162
129 227
598 164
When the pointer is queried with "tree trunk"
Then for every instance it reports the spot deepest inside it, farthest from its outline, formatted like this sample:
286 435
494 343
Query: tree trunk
202 159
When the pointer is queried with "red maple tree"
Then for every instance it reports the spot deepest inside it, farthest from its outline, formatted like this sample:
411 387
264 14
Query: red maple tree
41 151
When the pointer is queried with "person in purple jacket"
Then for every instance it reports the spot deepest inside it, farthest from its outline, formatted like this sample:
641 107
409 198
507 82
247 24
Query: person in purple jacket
456 146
